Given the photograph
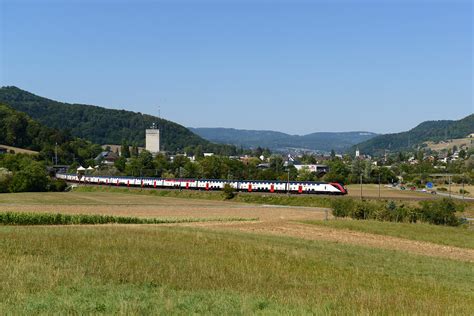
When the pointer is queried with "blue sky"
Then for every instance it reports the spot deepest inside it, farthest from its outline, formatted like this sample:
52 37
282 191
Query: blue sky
292 66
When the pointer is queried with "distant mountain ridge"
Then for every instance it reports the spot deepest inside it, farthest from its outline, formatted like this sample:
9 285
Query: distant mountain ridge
412 139
101 125
320 141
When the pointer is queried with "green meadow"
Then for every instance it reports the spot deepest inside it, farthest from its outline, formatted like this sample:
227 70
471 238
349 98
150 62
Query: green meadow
151 269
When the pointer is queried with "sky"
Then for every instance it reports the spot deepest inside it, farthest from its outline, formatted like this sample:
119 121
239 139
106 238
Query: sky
291 66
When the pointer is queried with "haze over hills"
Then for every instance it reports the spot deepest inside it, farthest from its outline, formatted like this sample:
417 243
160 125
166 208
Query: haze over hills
101 125
412 139
321 141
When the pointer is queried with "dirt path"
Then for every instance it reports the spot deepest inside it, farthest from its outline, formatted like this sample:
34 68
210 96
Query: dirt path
312 232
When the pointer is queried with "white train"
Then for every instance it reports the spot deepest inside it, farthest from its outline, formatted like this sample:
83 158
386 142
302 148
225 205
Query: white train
273 186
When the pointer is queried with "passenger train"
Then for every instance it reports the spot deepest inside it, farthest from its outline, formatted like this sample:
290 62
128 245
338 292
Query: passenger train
300 187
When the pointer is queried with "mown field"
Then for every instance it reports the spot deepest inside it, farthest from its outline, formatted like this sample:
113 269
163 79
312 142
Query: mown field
289 261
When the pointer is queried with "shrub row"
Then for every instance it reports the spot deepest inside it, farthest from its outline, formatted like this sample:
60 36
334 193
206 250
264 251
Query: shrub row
14 218
438 212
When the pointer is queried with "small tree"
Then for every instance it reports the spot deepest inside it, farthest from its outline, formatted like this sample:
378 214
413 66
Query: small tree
125 150
120 163
228 192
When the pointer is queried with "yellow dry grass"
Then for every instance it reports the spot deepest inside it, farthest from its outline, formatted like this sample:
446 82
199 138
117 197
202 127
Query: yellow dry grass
458 142
19 150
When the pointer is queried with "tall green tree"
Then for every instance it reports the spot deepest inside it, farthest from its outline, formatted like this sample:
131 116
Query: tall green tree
125 149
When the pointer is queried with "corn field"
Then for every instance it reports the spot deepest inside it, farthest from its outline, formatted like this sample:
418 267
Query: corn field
15 218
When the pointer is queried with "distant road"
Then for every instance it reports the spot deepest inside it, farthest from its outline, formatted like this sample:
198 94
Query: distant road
456 196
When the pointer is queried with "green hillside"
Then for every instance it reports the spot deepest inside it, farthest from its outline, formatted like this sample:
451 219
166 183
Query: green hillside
101 125
426 131
18 130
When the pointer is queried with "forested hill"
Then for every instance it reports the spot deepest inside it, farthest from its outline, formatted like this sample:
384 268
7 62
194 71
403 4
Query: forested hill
101 125
426 131
19 130
322 141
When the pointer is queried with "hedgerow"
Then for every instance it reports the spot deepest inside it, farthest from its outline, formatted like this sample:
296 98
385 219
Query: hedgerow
438 212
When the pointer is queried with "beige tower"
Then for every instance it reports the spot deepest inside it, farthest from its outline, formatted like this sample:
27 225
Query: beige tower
153 140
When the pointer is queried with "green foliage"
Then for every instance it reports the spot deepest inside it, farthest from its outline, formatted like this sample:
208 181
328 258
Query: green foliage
304 174
120 163
18 130
57 185
338 172
228 192
438 212
31 178
441 212
5 180
125 149
23 173
342 207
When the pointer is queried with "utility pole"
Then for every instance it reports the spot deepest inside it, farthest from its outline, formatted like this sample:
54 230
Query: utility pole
288 182
379 184
449 180
56 153
361 185
463 188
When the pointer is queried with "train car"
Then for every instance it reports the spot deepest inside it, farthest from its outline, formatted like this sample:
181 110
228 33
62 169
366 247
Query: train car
271 186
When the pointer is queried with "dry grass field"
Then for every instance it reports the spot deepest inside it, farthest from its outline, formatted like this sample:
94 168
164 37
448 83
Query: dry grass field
372 191
19 150
286 262
148 206
458 142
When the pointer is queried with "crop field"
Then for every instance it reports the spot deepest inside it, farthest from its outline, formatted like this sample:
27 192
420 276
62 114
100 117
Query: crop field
125 204
283 259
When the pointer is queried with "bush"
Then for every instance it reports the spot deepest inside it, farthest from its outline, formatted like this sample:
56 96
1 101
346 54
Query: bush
386 213
442 189
57 185
32 178
228 192
438 212
363 210
5 180
342 207
441 212
462 191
